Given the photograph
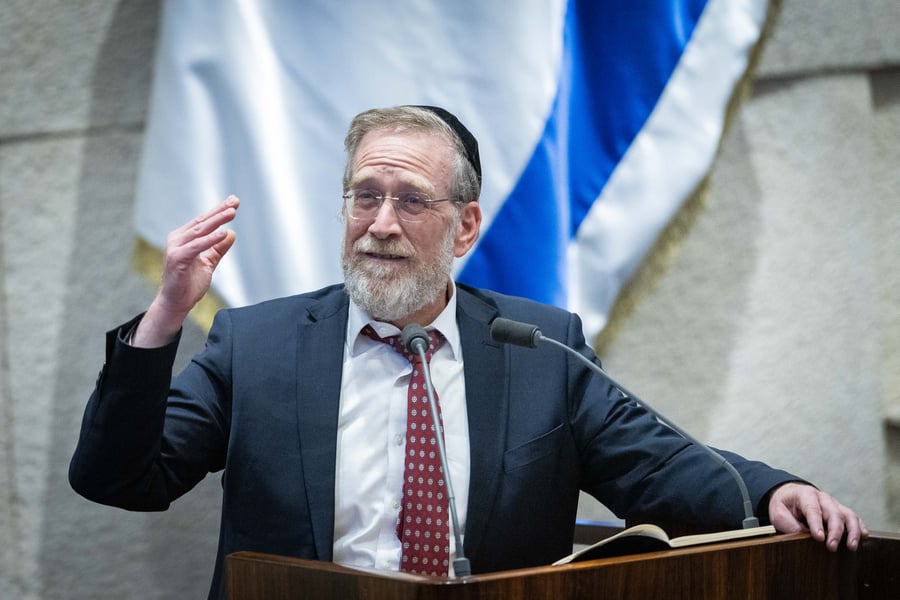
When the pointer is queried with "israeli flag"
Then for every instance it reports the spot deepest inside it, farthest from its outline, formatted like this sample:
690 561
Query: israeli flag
595 120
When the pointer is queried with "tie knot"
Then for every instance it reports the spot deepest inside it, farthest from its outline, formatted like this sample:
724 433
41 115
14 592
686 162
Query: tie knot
435 339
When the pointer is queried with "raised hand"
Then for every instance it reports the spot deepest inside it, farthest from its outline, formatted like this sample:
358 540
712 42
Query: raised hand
193 251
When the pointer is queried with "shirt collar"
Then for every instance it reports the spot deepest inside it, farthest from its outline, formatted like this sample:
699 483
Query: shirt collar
445 323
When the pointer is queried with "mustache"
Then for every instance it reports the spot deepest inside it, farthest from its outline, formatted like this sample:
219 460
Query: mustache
373 245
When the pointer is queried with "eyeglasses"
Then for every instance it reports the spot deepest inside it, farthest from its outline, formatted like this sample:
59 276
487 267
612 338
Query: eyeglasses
363 205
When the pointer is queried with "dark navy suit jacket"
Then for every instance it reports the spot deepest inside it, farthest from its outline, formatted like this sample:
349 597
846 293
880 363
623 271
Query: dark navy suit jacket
262 400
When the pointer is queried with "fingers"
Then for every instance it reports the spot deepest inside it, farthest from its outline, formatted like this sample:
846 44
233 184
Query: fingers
202 233
221 247
785 508
842 522
830 516
222 214
784 520
193 252
811 510
854 531
795 507
217 216
208 222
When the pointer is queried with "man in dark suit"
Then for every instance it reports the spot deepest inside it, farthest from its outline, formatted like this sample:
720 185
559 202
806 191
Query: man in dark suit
312 417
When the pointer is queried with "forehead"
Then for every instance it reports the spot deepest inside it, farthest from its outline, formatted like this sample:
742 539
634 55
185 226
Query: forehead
404 156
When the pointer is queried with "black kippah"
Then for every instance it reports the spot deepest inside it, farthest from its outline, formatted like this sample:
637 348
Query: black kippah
468 140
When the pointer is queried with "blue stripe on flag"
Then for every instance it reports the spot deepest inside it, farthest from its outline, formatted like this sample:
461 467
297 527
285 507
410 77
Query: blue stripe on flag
616 61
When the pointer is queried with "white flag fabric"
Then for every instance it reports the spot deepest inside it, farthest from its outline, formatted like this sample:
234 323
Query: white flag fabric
595 121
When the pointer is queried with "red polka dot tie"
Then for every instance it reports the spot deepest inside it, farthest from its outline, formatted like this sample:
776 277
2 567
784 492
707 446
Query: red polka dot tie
423 527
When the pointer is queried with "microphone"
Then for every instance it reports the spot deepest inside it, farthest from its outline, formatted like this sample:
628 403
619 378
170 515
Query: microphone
524 334
415 340
517 333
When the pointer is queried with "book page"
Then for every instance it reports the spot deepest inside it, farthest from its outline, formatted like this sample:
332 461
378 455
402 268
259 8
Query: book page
651 538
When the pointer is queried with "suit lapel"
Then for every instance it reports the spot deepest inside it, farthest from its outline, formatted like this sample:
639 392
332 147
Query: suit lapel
320 342
487 404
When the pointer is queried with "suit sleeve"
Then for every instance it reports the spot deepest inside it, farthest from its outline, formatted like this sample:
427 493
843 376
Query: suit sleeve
144 441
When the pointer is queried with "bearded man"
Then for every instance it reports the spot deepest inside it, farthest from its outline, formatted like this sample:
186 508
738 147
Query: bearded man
316 419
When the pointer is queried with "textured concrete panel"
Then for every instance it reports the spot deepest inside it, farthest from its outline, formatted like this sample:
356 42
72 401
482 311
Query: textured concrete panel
886 181
38 194
806 369
10 549
820 35
54 54
67 237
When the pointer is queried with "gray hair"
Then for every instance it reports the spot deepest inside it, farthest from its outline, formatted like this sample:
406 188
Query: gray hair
465 185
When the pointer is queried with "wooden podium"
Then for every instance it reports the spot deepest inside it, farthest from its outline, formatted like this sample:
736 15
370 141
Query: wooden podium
783 566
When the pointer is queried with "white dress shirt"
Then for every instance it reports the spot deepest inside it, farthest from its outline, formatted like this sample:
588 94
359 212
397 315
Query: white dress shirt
372 438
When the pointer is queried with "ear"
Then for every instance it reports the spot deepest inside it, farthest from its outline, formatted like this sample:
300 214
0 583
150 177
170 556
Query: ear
469 228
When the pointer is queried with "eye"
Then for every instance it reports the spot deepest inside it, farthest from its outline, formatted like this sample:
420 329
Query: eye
366 198
413 202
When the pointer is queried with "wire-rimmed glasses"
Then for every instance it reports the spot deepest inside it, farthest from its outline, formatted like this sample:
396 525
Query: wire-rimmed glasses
411 207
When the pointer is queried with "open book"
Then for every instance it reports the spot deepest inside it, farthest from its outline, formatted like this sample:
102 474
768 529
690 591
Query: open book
650 538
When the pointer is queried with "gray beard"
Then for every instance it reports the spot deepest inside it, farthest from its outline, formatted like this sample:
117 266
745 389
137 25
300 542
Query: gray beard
386 296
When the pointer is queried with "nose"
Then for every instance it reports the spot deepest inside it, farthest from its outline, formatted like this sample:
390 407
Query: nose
386 222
